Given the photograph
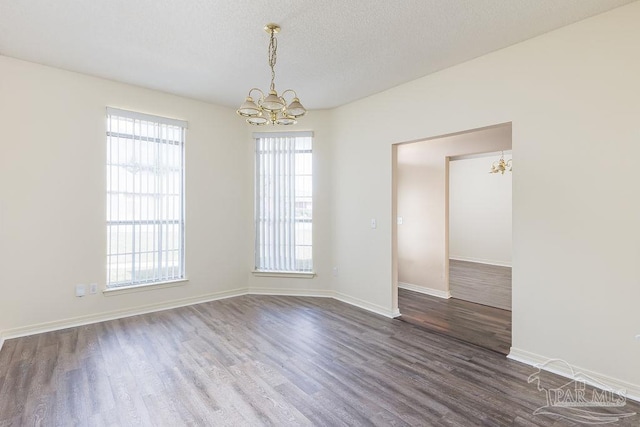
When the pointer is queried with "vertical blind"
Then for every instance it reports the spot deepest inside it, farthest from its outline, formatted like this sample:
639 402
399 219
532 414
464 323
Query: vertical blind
145 198
284 202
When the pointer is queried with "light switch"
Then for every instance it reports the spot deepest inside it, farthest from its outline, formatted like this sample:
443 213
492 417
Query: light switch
399 220
374 224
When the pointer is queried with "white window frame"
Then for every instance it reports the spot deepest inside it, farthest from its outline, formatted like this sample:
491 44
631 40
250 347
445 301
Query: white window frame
274 254
164 216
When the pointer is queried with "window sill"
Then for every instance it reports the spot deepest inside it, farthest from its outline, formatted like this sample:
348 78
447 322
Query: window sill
289 274
109 292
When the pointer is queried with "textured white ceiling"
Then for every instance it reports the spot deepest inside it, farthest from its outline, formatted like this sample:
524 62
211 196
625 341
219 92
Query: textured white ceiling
330 51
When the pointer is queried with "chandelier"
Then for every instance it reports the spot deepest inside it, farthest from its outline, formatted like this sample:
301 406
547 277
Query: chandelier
500 166
273 108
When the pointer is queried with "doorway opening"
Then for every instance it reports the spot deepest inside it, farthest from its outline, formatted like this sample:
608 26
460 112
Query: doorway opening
452 238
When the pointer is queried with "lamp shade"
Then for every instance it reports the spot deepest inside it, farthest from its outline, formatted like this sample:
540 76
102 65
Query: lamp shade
272 102
248 108
296 109
286 120
257 120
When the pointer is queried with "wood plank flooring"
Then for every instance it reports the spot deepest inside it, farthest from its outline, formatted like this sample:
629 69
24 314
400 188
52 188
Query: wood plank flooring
263 360
480 283
478 324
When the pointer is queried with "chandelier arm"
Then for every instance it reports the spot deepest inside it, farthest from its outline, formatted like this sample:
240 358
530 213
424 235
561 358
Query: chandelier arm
295 95
261 92
284 102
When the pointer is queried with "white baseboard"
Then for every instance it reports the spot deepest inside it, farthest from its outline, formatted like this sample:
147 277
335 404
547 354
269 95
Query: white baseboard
118 314
374 308
528 358
427 291
1 342
481 261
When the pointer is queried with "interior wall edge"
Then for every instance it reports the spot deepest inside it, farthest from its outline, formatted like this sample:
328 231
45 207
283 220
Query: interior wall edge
592 378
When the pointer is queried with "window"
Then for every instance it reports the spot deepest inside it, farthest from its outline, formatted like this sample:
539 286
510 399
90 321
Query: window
284 202
145 199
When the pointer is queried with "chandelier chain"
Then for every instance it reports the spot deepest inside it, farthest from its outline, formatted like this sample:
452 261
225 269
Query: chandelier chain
273 47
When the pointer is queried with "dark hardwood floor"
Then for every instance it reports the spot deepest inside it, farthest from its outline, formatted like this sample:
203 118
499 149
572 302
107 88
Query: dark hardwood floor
264 360
480 283
478 324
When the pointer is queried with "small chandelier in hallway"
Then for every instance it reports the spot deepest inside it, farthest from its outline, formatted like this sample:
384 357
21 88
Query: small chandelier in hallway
500 166
273 108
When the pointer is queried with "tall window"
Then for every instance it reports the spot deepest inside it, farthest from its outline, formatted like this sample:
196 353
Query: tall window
284 202
145 198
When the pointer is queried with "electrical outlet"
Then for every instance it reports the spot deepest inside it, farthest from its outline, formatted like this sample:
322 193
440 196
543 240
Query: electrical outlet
80 290
93 288
335 271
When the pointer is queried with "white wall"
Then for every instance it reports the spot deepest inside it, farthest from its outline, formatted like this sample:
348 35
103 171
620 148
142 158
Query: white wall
573 98
479 211
52 195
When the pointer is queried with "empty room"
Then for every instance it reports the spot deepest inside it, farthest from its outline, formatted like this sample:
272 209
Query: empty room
200 221
454 222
